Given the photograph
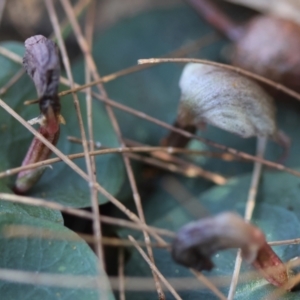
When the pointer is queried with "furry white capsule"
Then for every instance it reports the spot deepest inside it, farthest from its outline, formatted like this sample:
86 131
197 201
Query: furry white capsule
226 100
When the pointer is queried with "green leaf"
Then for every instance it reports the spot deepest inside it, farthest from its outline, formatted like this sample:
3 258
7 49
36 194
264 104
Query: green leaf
29 210
276 213
63 252
59 184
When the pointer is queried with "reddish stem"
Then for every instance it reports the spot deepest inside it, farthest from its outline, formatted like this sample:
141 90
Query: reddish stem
38 151
270 266
176 140
214 16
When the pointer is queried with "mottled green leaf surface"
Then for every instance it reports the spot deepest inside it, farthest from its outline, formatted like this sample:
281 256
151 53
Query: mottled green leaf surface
29 210
153 91
60 184
276 213
47 248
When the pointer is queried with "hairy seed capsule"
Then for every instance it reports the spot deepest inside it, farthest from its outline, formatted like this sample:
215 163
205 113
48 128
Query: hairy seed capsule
227 100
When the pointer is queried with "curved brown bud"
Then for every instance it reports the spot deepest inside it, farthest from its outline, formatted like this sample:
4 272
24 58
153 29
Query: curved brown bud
196 242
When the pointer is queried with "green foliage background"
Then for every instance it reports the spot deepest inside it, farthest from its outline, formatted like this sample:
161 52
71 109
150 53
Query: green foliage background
155 92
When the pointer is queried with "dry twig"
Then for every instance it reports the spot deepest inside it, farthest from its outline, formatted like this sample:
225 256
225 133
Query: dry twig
250 205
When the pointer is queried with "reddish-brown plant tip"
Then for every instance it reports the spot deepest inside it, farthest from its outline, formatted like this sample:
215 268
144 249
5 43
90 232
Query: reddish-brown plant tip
198 241
41 61
270 266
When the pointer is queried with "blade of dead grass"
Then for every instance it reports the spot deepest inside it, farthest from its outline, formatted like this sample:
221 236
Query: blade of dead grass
12 56
121 274
177 164
90 282
132 283
250 205
259 78
149 149
169 157
21 231
89 26
65 27
12 81
190 172
83 214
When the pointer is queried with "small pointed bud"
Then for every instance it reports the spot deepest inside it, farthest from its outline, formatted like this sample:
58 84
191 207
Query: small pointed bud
196 242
